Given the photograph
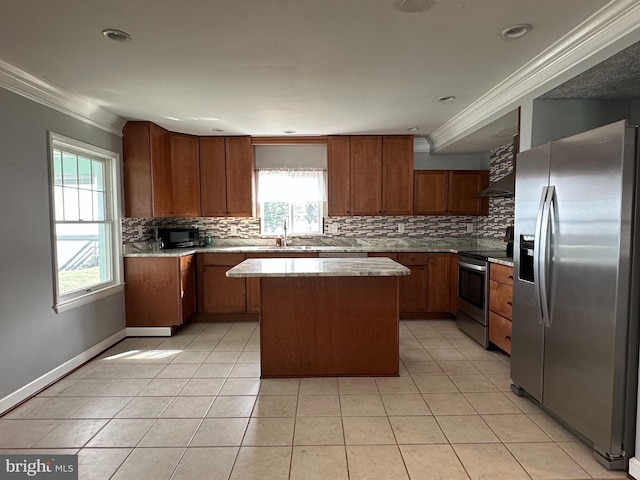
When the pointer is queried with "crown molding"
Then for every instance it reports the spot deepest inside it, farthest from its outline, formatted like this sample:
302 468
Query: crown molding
28 85
611 23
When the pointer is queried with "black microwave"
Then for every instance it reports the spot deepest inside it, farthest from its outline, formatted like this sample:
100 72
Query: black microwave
178 237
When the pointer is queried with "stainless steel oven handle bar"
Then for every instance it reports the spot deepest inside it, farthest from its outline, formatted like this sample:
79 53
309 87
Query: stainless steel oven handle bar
471 266
536 256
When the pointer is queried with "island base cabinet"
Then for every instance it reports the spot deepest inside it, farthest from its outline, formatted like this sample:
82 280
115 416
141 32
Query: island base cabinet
329 326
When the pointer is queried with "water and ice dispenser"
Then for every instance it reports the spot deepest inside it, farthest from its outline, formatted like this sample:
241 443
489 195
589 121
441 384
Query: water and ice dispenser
527 244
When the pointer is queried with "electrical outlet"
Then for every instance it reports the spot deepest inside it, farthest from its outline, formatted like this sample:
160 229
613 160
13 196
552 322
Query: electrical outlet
401 228
333 228
469 227
140 232
234 230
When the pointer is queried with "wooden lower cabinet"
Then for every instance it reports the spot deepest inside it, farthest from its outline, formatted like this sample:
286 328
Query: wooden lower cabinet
216 292
159 291
439 286
500 306
453 283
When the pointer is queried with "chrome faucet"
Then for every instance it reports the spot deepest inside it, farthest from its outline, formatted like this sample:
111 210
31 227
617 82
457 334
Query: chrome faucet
284 240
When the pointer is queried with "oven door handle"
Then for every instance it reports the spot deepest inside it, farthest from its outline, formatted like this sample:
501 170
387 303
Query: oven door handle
472 266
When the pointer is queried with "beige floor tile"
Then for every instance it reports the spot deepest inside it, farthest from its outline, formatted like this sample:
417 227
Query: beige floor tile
502 382
552 428
458 367
524 403
432 462
375 462
448 404
188 407
410 344
492 367
15 434
476 353
423 368
246 370
275 406
52 408
71 434
91 387
202 387
119 433
249 357
357 386
170 432
126 387
222 357
191 357
145 407
100 463
444 354
466 429
58 387
178 370
318 431
144 371
367 431
240 386
21 411
319 463
436 343
416 355
396 385
220 432
163 387
492 403
101 407
362 406
515 428
280 386
213 370
434 384
230 346
465 343
405 404
232 406
473 383
546 461
416 430
318 406
269 432
210 463
583 455
149 464
198 345
261 463
489 461
107 371
318 386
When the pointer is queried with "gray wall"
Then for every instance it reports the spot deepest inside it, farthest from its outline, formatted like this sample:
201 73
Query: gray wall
33 338
473 161
554 119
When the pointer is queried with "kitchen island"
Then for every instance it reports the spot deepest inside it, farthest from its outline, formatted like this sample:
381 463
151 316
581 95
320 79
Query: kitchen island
327 316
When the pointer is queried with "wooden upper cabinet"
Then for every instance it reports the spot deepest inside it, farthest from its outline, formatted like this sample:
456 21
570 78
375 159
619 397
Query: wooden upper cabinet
450 192
430 192
339 173
146 168
366 175
464 186
240 176
226 176
185 175
397 174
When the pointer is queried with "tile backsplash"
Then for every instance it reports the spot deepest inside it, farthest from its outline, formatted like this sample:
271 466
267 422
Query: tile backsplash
492 226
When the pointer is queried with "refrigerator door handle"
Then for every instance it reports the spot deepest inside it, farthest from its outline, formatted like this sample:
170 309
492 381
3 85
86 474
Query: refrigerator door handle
536 256
544 254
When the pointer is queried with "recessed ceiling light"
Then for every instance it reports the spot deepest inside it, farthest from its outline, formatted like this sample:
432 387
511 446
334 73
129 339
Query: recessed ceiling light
289 131
516 31
413 6
173 118
217 130
116 35
412 129
448 98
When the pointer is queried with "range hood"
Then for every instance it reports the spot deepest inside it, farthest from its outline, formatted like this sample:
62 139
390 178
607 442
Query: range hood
505 187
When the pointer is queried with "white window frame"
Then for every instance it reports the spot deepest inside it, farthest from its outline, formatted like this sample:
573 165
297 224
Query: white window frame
68 301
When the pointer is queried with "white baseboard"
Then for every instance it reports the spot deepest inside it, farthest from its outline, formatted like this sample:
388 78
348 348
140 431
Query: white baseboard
634 467
148 331
48 378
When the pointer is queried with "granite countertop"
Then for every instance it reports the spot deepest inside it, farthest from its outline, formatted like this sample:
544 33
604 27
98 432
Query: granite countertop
318 267
364 245
507 261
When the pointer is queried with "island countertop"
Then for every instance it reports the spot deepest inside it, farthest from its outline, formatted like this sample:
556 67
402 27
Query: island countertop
319 267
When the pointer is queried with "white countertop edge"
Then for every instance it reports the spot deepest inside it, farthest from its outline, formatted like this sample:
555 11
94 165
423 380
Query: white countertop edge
501 261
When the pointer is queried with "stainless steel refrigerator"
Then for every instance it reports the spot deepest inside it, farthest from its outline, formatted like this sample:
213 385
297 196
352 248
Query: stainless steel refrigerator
575 307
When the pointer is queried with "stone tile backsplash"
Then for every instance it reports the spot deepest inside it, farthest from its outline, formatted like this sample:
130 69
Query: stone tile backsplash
492 226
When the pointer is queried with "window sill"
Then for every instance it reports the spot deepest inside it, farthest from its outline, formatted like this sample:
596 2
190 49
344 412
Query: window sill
88 298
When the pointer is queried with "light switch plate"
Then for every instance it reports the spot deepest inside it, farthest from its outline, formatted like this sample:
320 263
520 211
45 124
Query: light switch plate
469 227
234 230
401 228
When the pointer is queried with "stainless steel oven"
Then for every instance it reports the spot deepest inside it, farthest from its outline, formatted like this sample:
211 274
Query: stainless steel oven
473 299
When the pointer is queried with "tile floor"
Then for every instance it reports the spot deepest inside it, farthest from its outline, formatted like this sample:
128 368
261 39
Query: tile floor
193 407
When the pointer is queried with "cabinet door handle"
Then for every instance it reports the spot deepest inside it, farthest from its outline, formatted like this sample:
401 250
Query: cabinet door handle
510 277
510 304
508 337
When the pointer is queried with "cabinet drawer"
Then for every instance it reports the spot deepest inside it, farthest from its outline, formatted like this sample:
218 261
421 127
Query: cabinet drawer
502 273
230 259
413 258
500 332
187 262
501 298
392 256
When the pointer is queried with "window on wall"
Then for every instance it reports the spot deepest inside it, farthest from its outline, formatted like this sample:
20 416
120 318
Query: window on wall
294 196
86 231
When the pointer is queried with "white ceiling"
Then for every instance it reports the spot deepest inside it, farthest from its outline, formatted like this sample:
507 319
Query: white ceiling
260 67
